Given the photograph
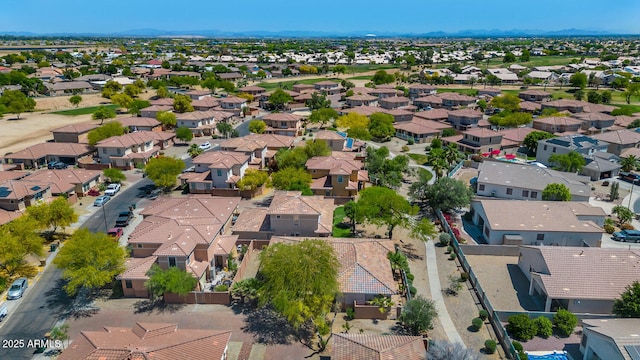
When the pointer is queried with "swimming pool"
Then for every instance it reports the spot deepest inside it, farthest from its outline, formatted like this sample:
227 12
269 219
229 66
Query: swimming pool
556 355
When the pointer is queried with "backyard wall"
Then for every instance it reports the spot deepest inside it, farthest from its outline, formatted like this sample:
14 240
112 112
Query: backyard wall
495 250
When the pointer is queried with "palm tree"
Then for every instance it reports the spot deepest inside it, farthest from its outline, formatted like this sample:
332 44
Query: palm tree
439 166
569 162
451 154
629 163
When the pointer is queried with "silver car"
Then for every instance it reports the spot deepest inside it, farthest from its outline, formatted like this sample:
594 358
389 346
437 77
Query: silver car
101 200
17 288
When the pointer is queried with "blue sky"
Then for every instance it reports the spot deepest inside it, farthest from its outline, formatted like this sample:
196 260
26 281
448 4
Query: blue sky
404 16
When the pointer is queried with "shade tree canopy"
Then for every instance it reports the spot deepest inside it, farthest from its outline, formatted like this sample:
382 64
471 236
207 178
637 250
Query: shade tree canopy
164 171
16 102
382 206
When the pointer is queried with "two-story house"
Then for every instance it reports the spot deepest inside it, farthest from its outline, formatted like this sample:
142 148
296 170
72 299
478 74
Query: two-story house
452 100
419 129
338 175
71 183
185 232
273 143
255 149
334 140
361 100
419 90
252 90
206 103
216 170
395 102
74 133
153 110
283 124
557 124
595 122
198 94
534 95
136 123
619 140
564 144
476 141
233 104
16 195
464 119
128 150
289 214
201 123
383 93
327 87
526 182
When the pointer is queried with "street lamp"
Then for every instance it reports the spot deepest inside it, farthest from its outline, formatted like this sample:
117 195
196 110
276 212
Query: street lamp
633 183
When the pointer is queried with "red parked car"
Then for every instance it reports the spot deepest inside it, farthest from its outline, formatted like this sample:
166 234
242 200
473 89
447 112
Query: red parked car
93 192
116 233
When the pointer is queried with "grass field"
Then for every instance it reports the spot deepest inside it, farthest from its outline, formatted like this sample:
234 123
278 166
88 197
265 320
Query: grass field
339 228
465 91
534 61
420 159
83 111
354 69
289 83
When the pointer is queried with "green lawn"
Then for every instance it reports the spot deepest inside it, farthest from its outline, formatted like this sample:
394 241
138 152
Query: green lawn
420 159
289 83
425 173
634 108
83 111
534 61
371 67
464 91
340 229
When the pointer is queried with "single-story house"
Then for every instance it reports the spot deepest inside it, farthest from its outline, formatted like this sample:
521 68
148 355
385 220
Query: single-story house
611 339
39 155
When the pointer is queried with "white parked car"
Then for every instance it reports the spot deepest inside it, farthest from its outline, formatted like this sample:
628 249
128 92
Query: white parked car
205 145
112 189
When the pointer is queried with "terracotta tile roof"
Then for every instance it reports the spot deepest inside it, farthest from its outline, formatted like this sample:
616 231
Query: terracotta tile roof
631 151
221 159
198 268
158 108
338 163
6 216
328 135
148 341
547 216
322 183
253 220
199 92
207 102
76 128
530 106
598 108
219 115
466 113
282 117
482 132
233 100
162 102
13 175
138 121
223 245
623 137
137 268
430 99
362 97
516 134
399 112
363 110
377 347
422 87
594 116
395 99
292 202
252 88
195 115
421 126
193 209
19 189
127 140
558 120
39 151
454 96
181 245
587 273
535 93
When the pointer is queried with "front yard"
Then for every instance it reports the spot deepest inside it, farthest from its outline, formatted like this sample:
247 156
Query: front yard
340 227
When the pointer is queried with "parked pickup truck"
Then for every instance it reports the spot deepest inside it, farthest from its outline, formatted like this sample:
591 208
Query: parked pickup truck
112 189
124 217
627 236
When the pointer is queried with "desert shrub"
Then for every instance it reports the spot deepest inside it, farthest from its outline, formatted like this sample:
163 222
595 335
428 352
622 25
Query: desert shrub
477 323
464 276
609 228
521 327
410 276
449 249
405 148
517 346
413 290
483 314
523 355
222 288
627 226
490 346
351 314
444 239
565 322
544 326
410 141
452 256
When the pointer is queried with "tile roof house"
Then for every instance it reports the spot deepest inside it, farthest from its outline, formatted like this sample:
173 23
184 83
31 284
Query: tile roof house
198 94
201 123
334 140
327 87
600 164
153 110
135 123
206 103
39 155
557 124
595 122
581 280
361 100
464 119
233 104
452 100
283 124
338 175
128 150
477 140
68 87
253 90
395 102
611 339
74 133
433 114
184 232
377 347
217 170
522 222
526 182
419 90
290 214
364 270
619 140
17 195
67 182
272 141
420 130
149 341
534 95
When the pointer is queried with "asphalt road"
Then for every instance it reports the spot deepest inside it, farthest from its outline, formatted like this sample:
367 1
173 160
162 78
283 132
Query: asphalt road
44 303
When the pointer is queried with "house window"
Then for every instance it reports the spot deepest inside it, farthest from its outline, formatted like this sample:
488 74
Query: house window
534 194
327 193
172 261
277 216
139 246
540 237
554 149
487 232
481 187
509 191
104 150
545 148
128 284
219 172
525 193
339 178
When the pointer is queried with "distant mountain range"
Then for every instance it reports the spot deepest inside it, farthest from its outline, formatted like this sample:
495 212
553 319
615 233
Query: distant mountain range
321 34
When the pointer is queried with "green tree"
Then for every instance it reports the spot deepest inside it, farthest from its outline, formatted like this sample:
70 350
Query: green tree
173 280
521 327
507 102
381 77
253 179
75 100
16 102
184 133
624 214
114 175
122 100
89 260
569 162
578 95
511 119
296 157
351 211
628 305
418 189
509 57
565 322
137 105
323 116
167 119
424 230
111 88
246 289
360 133
629 163
224 128
594 97
18 239
532 138
162 92
102 113
53 214
257 126
447 193
132 90
633 89
313 148
164 171
182 104
419 315
525 56
60 333
318 101
385 207
194 150
105 131
606 97
384 171
293 179
556 192
352 120
381 126
578 80
279 98
302 290
444 350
